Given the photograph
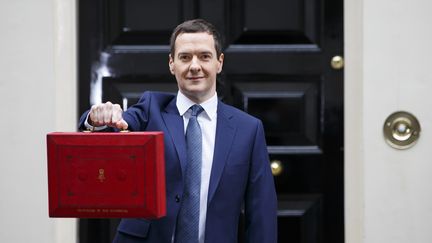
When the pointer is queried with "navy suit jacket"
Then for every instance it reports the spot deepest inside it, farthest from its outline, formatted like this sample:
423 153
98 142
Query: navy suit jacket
240 177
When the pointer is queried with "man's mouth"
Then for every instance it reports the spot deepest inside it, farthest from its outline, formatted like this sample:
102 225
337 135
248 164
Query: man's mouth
195 78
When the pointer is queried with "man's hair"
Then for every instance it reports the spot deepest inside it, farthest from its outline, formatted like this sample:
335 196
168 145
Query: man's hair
196 26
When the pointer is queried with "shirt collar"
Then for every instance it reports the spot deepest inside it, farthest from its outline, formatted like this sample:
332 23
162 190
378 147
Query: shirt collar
183 104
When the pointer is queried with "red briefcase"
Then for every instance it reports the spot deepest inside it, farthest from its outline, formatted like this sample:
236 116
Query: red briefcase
106 175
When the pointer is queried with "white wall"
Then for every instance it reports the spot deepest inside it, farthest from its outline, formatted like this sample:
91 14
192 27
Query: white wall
388 68
37 96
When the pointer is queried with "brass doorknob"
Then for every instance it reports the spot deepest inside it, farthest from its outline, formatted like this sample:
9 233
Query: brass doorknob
401 130
337 62
276 167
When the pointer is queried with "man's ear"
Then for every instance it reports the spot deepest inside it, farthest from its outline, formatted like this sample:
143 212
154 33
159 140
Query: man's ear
171 64
221 60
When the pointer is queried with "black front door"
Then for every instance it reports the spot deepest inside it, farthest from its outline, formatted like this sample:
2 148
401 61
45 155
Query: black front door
277 68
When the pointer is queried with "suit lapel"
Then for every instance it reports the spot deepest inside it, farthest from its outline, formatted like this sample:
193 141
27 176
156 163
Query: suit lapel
174 123
225 132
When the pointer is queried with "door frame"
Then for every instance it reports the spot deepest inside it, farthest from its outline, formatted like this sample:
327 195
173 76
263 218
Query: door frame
66 107
353 125
66 19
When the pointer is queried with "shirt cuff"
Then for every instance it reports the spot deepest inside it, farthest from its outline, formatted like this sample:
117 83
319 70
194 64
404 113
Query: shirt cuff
92 128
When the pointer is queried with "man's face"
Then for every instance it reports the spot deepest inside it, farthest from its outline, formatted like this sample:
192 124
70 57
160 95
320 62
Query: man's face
195 65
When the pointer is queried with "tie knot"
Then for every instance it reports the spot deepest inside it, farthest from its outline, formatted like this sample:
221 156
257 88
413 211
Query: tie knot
196 110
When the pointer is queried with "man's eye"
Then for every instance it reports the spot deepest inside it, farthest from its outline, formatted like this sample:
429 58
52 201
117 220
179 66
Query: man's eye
184 57
206 57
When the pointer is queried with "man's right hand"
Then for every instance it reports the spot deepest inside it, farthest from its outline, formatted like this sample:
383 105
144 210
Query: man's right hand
108 114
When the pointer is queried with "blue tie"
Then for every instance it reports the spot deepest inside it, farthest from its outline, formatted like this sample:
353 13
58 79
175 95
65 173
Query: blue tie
188 218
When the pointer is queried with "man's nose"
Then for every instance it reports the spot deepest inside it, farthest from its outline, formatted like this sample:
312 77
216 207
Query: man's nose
195 65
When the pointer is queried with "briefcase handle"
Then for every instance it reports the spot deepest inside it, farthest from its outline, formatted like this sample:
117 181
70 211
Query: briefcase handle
92 130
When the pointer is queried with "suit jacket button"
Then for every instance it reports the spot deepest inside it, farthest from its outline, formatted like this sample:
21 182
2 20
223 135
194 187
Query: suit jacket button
177 198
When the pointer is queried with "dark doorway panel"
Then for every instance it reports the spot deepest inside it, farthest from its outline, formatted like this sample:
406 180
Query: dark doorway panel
277 68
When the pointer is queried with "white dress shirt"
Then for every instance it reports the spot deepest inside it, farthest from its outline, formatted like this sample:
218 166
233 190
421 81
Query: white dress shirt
207 121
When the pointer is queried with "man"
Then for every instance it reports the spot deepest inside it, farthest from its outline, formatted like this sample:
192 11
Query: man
232 159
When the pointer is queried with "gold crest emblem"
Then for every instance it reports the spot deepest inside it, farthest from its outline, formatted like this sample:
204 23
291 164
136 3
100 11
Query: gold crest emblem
101 176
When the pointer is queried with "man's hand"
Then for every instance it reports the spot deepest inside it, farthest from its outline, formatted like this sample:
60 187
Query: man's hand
107 114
